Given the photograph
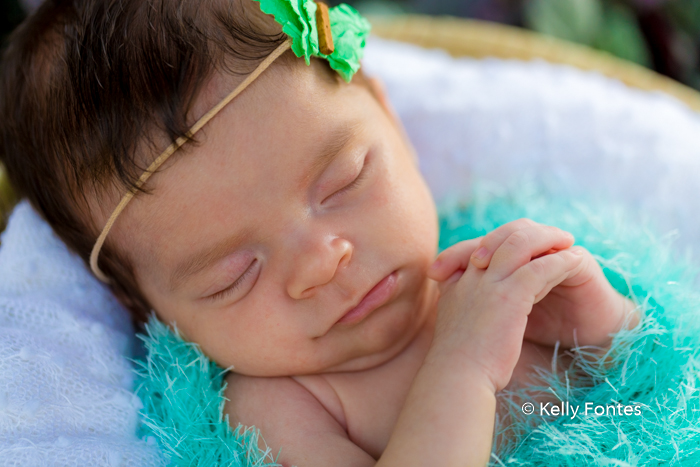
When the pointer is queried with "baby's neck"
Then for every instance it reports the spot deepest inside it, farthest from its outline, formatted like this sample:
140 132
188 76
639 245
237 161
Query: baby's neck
367 402
418 346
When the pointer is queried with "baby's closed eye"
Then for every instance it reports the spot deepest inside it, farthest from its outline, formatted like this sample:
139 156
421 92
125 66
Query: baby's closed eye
240 286
356 182
235 289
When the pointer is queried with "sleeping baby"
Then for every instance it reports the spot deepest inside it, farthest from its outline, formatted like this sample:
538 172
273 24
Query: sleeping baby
275 212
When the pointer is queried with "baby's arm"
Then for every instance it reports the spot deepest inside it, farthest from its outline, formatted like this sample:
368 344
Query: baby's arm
447 420
449 413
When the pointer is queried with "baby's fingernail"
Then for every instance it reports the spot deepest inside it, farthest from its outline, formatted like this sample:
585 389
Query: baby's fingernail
480 253
436 264
577 251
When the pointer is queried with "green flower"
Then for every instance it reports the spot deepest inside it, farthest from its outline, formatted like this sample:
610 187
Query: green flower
298 20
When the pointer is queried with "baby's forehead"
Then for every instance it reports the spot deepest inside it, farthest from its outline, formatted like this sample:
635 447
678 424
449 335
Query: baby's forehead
286 74
270 136
275 88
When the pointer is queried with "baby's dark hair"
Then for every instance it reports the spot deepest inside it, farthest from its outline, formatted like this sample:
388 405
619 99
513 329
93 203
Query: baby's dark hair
84 83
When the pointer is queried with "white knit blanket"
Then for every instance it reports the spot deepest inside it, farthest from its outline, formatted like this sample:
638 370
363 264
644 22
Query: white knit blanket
65 381
65 378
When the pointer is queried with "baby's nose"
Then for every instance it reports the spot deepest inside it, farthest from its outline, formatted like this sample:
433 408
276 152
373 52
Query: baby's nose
316 264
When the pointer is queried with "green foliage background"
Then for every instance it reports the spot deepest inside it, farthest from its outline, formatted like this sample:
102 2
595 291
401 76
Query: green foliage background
663 35
660 34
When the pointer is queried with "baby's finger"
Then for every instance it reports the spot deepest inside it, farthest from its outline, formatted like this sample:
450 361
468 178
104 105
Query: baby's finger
539 276
523 245
443 286
490 243
482 256
453 259
548 252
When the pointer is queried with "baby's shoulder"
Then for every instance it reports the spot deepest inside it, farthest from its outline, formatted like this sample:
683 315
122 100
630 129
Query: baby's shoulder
288 415
252 400
251 397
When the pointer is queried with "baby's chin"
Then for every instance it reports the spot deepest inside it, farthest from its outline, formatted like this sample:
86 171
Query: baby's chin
377 339
399 331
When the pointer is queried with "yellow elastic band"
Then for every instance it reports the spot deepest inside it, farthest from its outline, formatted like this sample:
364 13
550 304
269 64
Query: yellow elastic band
170 150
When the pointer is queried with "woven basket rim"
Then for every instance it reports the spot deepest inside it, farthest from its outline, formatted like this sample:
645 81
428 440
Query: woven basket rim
479 39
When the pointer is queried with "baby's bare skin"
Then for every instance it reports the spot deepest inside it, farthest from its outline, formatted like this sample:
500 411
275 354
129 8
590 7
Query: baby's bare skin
301 195
366 405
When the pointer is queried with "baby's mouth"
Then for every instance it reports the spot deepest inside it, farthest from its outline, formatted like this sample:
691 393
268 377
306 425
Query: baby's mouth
377 296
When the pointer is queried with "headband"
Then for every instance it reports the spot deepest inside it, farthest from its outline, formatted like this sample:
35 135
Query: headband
337 34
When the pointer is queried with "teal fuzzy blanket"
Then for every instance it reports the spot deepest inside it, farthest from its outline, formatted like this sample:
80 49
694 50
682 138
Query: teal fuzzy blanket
654 367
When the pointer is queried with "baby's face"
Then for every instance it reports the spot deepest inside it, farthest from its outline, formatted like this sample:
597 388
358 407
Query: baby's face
301 197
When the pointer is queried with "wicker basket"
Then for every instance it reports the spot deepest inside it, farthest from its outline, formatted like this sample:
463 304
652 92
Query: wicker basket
479 39
461 37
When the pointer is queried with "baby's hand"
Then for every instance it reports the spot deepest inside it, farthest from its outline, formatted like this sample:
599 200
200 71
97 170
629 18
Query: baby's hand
482 314
585 301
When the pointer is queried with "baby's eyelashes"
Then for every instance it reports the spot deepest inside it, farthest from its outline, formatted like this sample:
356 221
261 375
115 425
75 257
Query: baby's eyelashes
240 286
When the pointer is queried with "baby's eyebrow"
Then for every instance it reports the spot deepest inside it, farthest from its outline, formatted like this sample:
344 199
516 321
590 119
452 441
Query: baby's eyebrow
336 140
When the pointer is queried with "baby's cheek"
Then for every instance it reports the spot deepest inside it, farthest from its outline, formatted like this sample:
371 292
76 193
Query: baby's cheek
418 230
260 344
